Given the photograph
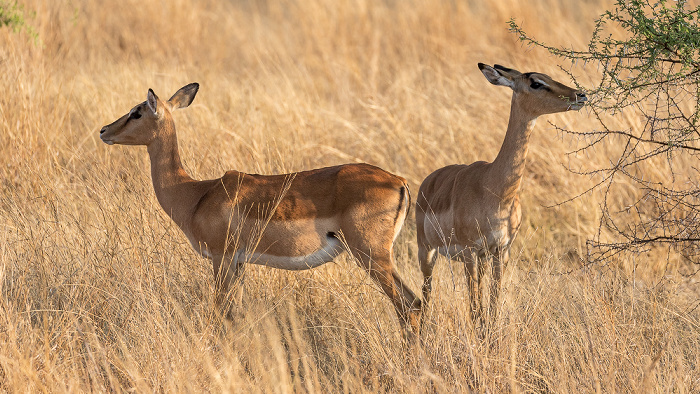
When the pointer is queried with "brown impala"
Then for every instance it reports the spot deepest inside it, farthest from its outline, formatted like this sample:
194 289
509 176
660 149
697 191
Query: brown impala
295 221
469 212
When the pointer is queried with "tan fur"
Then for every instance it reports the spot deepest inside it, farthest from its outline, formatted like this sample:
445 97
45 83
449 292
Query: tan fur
470 212
242 217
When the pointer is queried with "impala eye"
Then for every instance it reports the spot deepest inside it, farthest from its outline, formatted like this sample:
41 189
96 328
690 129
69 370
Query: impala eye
135 115
536 85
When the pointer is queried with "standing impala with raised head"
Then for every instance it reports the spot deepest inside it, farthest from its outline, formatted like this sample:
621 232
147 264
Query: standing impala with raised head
472 212
294 221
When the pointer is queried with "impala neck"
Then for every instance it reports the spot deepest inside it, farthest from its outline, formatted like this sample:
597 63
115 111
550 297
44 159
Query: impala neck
507 169
167 173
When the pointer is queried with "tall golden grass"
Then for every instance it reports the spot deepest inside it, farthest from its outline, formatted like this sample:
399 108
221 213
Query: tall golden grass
101 292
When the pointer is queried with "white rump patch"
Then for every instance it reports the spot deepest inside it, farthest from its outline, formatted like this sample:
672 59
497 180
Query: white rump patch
327 253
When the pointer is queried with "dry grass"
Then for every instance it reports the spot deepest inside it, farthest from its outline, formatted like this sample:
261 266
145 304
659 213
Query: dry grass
100 291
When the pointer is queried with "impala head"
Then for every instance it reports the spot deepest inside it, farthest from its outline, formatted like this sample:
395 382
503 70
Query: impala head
145 121
535 93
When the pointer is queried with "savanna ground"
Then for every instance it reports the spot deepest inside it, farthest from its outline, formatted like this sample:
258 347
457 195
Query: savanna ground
100 290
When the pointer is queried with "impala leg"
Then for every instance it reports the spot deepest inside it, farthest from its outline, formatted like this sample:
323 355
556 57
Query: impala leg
427 258
227 271
499 263
380 266
474 272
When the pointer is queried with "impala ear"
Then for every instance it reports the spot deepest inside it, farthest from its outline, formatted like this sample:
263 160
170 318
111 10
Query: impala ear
184 97
507 71
152 101
494 76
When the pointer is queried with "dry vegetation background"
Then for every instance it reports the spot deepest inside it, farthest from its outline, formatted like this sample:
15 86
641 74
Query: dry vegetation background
101 292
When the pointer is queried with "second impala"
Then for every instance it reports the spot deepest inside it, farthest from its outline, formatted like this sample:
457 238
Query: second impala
294 221
471 212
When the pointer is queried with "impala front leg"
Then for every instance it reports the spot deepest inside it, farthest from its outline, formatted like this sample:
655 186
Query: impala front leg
500 259
228 271
473 268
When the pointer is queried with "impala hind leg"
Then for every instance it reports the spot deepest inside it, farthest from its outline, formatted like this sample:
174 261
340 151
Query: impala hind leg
427 258
227 272
381 268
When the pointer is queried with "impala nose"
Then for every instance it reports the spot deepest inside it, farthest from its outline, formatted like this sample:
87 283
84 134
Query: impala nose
581 96
102 137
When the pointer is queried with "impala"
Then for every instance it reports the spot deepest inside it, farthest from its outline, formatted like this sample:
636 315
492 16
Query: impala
472 212
294 221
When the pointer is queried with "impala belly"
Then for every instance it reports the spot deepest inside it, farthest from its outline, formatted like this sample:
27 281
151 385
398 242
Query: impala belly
287 244
295 244
495 240
454 251
329 251
439 229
